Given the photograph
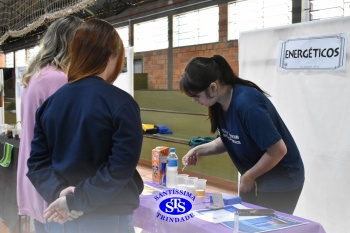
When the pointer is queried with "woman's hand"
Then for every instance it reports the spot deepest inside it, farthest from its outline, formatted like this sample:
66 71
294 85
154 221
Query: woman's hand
58 211
246 184
191 158
67 190
270 159
211 148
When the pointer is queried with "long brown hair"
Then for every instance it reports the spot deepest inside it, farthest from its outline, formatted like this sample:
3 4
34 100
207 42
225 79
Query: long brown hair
94 43
200 72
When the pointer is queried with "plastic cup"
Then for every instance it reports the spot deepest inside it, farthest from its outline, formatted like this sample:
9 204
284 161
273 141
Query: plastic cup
200 187
191 184
3 128
14 133
9 131
17 133
181 181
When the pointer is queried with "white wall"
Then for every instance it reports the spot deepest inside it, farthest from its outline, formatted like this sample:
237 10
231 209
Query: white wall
19 71
125 80
316 108
2 114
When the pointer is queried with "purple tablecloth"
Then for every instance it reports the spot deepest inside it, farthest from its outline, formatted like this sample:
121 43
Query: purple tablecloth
145 218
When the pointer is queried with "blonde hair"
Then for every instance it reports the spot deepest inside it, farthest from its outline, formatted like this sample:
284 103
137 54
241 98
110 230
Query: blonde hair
54 47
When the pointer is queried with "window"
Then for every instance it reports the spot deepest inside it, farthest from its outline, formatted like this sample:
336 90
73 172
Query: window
254 14
31 53
9 62
138 66
324 9
124 35
151 35
20 56
194 28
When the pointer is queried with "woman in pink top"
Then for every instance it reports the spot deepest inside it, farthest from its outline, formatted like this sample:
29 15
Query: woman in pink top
45 74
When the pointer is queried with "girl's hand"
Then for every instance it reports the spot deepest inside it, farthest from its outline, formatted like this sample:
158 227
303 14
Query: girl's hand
246 184
58 211
67 190
190 159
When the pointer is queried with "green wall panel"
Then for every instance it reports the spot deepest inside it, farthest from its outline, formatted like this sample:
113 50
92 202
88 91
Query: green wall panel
186 120
168 100
182 125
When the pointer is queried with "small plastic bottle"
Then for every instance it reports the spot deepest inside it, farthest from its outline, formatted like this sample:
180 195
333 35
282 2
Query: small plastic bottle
236 222
163 172
171 170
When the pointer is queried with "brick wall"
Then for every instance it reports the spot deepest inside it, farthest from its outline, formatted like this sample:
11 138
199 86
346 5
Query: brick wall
229 50
2 60
156 63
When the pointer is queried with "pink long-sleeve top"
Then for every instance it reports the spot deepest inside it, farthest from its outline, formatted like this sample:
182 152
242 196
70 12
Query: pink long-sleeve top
42 85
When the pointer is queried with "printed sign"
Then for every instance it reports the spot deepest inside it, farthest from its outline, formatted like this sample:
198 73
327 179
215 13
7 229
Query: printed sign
175 205
325 53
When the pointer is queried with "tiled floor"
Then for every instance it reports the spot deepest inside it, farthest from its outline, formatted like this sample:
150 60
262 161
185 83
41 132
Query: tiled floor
217 186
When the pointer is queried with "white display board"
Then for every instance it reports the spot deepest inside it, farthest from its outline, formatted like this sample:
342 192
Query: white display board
2 113
315 107
324 53
19 71
125 80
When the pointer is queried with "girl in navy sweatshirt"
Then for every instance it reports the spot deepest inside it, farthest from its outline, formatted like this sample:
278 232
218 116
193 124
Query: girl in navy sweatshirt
87 140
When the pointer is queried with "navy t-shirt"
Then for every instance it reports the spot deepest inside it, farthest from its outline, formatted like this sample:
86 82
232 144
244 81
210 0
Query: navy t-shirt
250 126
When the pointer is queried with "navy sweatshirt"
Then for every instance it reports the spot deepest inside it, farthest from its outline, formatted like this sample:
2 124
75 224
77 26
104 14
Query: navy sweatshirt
89 135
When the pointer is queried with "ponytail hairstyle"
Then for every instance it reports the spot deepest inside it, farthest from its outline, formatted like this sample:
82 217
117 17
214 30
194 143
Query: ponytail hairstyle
54 47
200 72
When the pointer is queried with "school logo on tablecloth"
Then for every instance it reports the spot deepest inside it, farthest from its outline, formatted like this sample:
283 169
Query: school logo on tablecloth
175 205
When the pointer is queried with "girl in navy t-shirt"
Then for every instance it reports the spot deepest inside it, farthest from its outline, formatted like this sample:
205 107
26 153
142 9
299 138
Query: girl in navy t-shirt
251 131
